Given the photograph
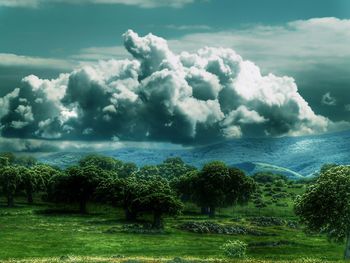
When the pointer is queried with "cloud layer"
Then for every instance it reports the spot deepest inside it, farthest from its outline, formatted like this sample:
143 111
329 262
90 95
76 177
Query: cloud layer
140 3
191 98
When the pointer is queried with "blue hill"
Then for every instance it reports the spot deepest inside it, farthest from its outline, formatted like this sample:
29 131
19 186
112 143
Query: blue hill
292 156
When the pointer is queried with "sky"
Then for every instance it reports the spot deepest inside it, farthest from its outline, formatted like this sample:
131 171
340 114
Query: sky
84 74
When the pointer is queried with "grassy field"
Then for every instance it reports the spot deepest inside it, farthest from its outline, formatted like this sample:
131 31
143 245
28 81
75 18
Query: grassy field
39 232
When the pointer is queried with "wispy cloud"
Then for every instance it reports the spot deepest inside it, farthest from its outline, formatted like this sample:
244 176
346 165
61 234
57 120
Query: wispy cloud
101 53
189 27
298 45
328 100
13 60
139 3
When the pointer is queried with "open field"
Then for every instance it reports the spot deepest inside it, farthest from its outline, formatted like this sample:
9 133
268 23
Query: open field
48 235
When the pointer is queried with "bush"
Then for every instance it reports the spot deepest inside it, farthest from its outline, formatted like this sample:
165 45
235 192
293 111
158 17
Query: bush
280 183
280 195
235 249
267 221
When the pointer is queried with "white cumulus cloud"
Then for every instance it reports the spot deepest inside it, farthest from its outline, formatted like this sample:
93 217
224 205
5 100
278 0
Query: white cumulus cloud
158 95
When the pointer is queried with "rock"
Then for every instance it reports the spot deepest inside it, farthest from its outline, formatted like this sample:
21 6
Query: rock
267 221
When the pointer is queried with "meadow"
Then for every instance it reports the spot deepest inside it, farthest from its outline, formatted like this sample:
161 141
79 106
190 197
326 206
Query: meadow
44 232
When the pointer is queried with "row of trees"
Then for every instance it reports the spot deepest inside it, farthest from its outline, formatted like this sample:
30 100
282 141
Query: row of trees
157 190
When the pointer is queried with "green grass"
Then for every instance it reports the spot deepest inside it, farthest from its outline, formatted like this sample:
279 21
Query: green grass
27 232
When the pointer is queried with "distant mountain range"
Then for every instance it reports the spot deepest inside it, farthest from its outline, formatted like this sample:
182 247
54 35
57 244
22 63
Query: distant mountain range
294 157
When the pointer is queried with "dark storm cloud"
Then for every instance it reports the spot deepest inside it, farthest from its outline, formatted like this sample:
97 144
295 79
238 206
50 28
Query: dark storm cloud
191 98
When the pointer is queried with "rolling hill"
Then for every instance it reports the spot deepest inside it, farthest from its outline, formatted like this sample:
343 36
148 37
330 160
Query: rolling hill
291 156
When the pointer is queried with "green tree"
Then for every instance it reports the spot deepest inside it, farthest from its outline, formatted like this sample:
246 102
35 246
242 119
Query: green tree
126 170
216 185
240 188
174 168
267 177
121 193
158 198
78 184
100 161
184 185
46 173
25 160
31 182
10 181
110 164
209 186
3 162
9 156
148 172
325 206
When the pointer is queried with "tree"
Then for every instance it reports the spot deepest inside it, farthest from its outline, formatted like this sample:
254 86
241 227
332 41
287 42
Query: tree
148 172
174 168
325 206
3 162
28 182
10 181
78 184
209 186
184 185
121 193
46 173
240 187
31 181
216 185
268 177
100 161
110 164
126 170
26 161
9 156
158 198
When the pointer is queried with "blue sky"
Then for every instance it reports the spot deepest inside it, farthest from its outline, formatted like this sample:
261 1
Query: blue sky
61 29
305 40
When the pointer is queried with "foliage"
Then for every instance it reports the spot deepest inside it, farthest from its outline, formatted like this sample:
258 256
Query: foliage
78 184
265 178
325 206
174 168
46 173
216 185
9 156
148 172
9 181
25 160
137 195
121 193
235 249
158 198
30 181
109 164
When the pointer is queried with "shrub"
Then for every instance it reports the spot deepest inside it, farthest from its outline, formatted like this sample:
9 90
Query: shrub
280 183
277 189
235 249
280 195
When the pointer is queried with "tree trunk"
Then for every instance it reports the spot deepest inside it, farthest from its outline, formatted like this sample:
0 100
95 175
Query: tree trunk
10 202
29 197
204 210
212 212
129 215
347 248
157 220
82 207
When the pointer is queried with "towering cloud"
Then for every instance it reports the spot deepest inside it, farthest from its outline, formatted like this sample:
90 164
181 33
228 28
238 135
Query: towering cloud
190 98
